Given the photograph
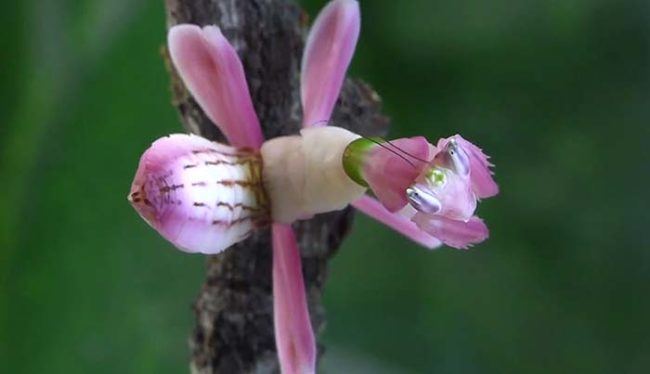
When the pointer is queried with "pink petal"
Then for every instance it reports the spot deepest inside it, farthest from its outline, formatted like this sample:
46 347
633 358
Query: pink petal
456 234
327 54
391 168
376 210
186 187
481 176
213 73
293 332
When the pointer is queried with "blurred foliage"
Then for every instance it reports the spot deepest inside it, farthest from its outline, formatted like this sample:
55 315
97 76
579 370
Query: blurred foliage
558 92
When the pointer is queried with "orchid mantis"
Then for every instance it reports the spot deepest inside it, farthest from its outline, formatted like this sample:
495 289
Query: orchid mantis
204 196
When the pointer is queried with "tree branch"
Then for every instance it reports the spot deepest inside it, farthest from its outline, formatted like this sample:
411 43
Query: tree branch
234 314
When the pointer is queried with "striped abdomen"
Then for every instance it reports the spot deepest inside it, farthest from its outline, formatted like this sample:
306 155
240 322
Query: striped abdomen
200 195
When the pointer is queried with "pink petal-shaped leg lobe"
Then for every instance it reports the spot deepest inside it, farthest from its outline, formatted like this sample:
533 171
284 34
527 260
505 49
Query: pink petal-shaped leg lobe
294 336
403 225
200 195
213 73
456 234
328 52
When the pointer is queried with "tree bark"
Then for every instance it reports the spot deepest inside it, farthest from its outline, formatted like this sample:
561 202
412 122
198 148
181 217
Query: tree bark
234 310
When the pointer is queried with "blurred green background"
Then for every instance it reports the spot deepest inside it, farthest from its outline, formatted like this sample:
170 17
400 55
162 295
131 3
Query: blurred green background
558 92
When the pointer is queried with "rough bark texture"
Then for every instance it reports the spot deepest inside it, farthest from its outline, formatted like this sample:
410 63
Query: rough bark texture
234 314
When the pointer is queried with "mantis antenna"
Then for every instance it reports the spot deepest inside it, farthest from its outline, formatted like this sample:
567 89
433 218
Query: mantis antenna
403 151
391 150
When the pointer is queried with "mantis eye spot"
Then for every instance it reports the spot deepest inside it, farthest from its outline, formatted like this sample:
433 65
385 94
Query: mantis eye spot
422 200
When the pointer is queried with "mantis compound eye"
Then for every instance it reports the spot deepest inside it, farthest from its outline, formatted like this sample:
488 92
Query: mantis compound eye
422 200
455 158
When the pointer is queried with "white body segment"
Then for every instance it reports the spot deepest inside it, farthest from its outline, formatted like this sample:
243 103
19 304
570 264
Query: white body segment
303 174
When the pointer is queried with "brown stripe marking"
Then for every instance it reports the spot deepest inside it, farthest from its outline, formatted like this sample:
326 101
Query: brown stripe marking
230 183
232 207
173 187
231 223
221 162
190 166
228 154
228 163
199 184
